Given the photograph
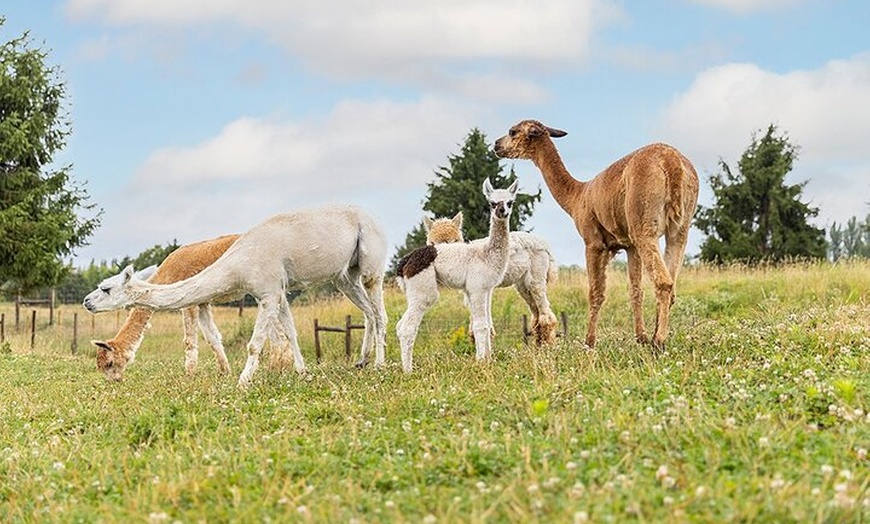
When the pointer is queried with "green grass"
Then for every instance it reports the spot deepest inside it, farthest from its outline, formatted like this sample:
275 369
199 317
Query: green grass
756 412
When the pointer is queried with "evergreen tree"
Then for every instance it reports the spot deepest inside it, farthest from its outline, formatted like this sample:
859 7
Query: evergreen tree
39 205
853 240
757 217
458 187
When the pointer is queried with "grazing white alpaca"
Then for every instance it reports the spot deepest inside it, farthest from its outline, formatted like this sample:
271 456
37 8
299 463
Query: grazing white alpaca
339 244
531 266
115 354
475 269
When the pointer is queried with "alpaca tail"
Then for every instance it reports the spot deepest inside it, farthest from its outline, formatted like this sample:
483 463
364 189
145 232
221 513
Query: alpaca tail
552 269
678 171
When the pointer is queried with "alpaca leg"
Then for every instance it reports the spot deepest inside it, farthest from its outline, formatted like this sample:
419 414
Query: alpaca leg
545 328
213 336
285 321
480 323
375 291
675 249
266 313
596 267
635 291
544 322
191 342
421 291
353 289
664 287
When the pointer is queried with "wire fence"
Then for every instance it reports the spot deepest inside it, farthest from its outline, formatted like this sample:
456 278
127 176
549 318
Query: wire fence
50 328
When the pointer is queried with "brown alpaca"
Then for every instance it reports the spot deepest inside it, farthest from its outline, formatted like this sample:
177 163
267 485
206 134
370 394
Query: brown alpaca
641 197
115 354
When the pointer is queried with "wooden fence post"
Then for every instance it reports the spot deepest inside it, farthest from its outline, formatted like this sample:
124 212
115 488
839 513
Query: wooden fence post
2 327
317 340
17 311
75 341
347 332
51 298
32 329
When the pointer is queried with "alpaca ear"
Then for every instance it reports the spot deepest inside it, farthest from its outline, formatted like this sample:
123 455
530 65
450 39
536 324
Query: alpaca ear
102 345
146 273
457 221
556 133
427 223
513 188
128 273
487 187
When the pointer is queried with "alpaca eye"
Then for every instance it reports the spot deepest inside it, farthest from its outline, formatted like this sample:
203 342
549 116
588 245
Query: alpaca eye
105 290
512 133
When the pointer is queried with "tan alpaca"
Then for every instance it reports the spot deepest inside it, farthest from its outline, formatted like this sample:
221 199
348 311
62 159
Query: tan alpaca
647 194
530 268
115 354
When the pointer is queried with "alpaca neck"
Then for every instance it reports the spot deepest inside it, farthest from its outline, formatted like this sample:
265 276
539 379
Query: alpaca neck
199 289
499 235
130 335
566 190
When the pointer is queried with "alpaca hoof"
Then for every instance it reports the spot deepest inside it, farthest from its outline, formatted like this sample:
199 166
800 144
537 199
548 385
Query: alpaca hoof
659 346
642 338
360 364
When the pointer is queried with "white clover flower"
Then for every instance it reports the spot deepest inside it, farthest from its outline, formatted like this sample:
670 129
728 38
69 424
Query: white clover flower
662 472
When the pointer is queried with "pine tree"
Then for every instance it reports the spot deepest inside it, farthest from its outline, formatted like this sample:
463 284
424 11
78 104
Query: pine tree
457 187
39 206
758 217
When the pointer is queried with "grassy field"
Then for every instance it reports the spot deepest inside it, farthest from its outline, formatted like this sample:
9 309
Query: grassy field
757 412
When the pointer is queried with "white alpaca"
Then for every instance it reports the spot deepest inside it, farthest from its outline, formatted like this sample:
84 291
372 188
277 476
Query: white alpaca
115 354
475 269
531 266
341 244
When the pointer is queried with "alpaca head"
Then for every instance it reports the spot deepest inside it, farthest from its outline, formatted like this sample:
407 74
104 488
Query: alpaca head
116 292
111 360
443 230
501 201
524 139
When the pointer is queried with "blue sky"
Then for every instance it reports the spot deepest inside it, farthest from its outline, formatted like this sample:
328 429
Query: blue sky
199 118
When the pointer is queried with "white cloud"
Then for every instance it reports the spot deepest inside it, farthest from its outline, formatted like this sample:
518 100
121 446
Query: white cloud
825 111
375 154
410 42
747 6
